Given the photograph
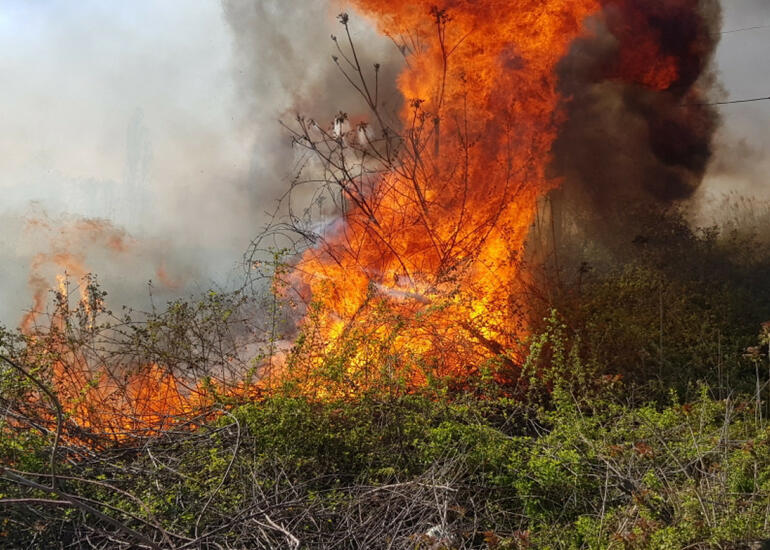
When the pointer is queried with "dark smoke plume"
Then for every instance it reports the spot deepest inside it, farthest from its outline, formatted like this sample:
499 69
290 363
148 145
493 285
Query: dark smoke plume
639 129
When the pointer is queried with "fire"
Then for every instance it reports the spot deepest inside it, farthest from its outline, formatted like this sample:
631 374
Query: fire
140 403
424 267
112 402
441 245
422 275
107 406
106 401
68 244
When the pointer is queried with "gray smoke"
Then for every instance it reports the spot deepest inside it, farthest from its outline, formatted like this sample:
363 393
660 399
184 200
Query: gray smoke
741 162
628 141
160 120
284 59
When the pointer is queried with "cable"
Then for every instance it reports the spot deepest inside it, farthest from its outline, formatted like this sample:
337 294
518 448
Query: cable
744 29
728 102
734 101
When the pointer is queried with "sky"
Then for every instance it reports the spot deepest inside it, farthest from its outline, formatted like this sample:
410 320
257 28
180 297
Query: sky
161 117
742 162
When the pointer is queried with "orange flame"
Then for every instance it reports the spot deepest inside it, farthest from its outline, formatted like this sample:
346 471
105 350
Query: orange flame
142 404
116 403
422 274
426 263
67 254
110 407
442 244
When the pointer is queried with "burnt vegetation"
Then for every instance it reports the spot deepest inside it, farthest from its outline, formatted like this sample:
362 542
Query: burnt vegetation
626 406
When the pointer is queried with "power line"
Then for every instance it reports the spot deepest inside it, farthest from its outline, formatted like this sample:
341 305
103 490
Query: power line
727 102
734 101
744 29
737 101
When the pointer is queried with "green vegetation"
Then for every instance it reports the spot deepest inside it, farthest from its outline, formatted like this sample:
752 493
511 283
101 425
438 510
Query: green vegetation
641 419
586 473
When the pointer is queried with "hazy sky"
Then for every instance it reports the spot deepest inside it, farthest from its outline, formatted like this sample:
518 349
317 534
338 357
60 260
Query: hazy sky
161 116
158 115
124 111
744 68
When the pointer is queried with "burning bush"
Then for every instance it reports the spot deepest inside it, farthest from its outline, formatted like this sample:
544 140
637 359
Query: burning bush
419 267
109 378
466 371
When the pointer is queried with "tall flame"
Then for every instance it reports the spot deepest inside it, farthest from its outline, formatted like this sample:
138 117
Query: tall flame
422 275
430 267
482 110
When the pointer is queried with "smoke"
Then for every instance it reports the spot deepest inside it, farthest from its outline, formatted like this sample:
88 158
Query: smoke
283 59
742 144
639 129
160 120
52 249
122 114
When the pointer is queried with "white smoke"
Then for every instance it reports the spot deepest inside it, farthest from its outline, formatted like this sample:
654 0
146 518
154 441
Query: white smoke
160 117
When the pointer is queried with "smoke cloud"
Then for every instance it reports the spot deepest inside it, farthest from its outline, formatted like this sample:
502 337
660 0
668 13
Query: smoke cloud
283 54
741 162
159 120
631 137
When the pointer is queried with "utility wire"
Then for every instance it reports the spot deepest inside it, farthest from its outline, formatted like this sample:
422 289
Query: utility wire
734 101
737 101
727 102
744 29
